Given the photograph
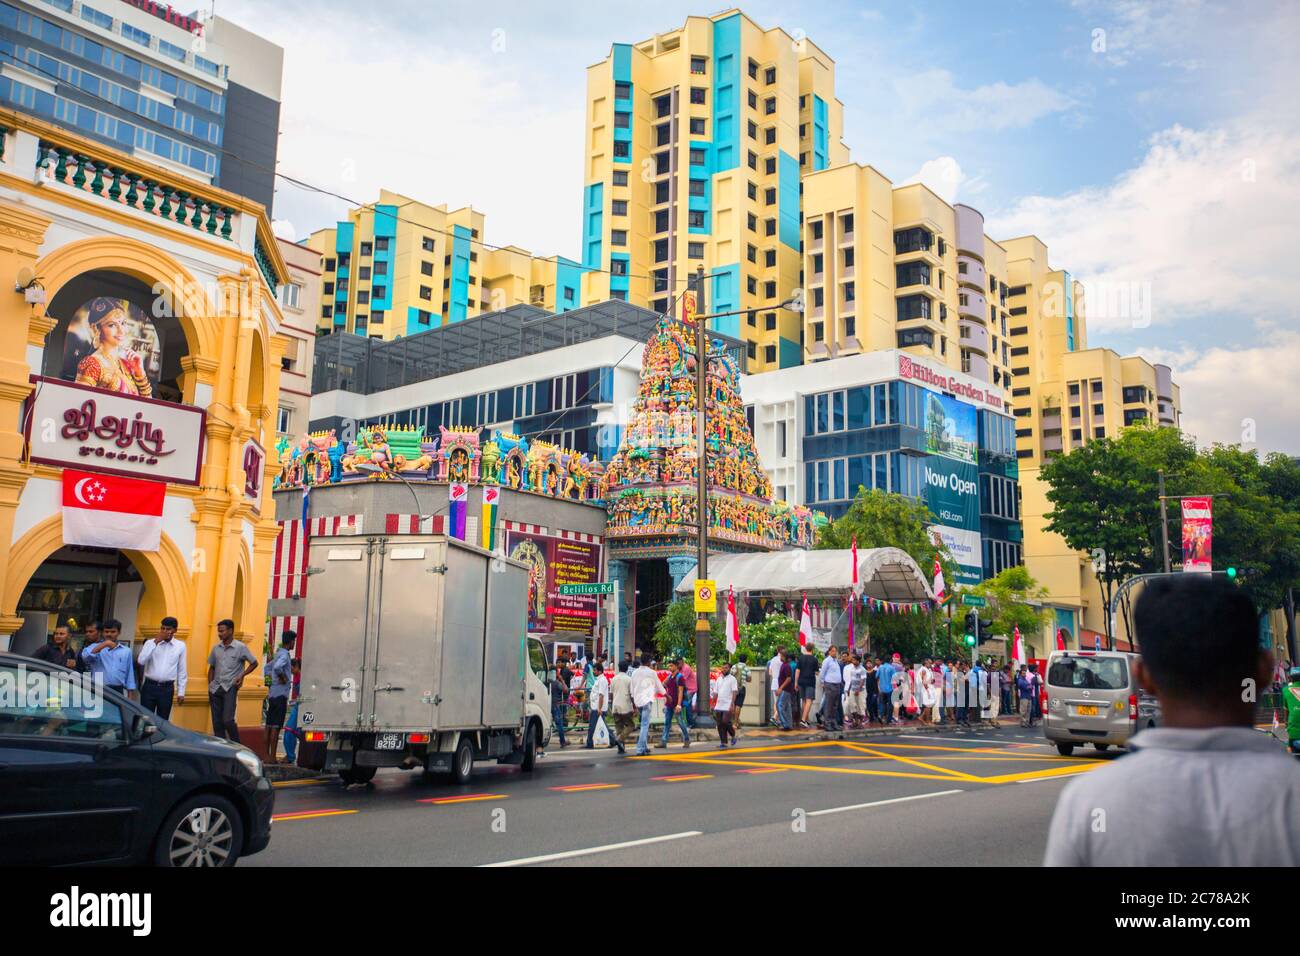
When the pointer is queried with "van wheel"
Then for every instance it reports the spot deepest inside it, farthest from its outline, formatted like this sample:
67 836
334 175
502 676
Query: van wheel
530 748
1102 746
462 763
1065 749
203 831
358 775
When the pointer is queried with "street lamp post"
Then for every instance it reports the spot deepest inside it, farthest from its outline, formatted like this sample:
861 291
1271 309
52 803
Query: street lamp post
702 629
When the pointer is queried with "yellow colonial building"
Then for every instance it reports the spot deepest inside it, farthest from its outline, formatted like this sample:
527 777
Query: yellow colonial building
191 271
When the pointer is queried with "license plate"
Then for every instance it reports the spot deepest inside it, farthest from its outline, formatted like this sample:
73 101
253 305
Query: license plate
388 742
1088 710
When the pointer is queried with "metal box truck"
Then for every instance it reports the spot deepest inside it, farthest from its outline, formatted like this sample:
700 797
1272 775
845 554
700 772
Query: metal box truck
418 657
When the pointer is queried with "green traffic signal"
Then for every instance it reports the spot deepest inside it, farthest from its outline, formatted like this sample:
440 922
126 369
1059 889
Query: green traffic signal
970 640
1232 573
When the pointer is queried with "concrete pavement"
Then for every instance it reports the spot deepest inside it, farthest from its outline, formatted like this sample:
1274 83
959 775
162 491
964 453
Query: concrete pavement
912 798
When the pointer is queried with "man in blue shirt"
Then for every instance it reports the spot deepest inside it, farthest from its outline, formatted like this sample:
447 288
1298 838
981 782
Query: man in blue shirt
112 659
279 683
885 688
832 687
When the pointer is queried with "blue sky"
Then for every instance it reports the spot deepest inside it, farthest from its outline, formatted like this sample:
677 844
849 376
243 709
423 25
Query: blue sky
1154 146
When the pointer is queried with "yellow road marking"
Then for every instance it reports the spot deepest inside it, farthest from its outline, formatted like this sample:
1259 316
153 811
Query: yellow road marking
309 815
581 787
957 774
791 766
679 778
467 798
278 784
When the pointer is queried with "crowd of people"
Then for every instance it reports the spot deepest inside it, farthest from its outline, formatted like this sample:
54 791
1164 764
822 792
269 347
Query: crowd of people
847 689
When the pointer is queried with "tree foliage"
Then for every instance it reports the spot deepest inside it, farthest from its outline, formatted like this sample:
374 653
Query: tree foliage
1014 599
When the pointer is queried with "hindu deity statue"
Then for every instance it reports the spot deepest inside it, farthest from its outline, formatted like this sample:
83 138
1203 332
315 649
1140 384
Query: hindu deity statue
490 462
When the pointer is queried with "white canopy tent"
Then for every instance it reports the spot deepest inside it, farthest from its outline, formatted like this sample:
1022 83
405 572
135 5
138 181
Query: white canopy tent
887 574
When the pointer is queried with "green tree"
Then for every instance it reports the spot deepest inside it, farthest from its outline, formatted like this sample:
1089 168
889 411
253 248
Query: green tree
882 520
675 633
761 640
1013 601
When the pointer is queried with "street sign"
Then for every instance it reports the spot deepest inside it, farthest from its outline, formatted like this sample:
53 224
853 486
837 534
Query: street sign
706 597
973 600
595 587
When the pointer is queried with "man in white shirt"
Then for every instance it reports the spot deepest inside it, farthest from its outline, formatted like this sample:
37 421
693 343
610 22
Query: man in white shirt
727 688
646 685
1204 788
773 677
163 660
599 701
855 692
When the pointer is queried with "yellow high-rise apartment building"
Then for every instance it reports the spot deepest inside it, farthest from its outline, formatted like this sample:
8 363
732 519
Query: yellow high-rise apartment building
398 266
696 144
1066 394
898 267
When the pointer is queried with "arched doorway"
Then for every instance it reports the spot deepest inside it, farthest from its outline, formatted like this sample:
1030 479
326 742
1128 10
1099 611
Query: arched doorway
74 587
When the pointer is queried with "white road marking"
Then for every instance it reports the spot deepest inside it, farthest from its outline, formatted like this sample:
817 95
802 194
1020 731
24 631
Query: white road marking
881 803
569 854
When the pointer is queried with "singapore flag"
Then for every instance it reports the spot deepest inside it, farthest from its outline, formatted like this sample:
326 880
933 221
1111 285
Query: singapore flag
110 512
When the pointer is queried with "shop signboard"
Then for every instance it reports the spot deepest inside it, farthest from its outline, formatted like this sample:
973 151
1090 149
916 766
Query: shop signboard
555 563
952 493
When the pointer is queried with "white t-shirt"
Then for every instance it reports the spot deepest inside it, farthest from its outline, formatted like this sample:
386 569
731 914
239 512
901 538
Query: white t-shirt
600 694
645 685
727 690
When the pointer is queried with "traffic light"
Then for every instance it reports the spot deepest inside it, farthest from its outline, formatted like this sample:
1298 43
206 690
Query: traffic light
1232 574
985 631
971 624
970 640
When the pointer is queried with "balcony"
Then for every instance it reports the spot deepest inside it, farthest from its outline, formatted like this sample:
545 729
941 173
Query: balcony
974 336
105 179
975 308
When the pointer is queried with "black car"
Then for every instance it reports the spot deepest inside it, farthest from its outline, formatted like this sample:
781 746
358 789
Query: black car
99 779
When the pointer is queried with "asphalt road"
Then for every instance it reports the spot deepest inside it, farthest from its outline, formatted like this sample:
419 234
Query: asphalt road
956 799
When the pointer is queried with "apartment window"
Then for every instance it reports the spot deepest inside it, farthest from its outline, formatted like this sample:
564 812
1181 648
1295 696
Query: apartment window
769 321
769 135
753 70
769 166
698 64
1022 330
850 326
661 250
426 293
769 258
363 273
698 126
769 354
363 297
1099 431
751 350
769 196
622 120
663 133
752 128
618 237
1018 310
618 207
621 149
618 267
1098 408
620 177
622 91
695 250
698 157
329 265
381 267
426 268
662 162
817 263
695 219
848 258
699 187
97 18
1096 387
848 292
1020 371
697 94
1022 350
769 106
663 105
818 297
769 290
324 311
177 53
753 160
818 332
663 191
769 227
1017 290
752 221
328 288
367 249
380 293
753 100
769 75
751 253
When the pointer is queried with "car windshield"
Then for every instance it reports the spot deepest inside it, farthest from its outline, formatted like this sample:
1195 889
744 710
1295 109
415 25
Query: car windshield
1089 673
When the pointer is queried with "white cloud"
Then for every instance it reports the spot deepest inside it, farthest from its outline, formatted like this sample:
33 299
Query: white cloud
285 230
942 174
1230 394
1204 224
935 95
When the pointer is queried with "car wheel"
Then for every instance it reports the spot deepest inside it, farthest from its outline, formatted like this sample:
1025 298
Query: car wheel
203 831
358 775
462 763
530 748
1065 749
1102 746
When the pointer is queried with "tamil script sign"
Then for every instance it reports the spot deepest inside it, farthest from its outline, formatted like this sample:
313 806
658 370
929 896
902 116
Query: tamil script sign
599 587
92 429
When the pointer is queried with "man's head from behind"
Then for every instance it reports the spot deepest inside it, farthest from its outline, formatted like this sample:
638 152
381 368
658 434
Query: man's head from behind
1198 637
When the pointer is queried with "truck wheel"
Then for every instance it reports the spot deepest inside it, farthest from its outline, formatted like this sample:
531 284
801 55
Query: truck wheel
462 763
358 775
530 748
1065 749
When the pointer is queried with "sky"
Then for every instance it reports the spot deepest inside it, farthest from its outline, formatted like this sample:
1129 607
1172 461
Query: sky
1154 146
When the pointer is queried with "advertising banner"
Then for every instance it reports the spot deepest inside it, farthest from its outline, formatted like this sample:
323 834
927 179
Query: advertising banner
952 493
1198 534
552 562
951 427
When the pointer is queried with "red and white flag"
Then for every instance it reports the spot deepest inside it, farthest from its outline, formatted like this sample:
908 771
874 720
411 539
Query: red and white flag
855 563
805 624
105 511
939 586
733 626
1017 647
